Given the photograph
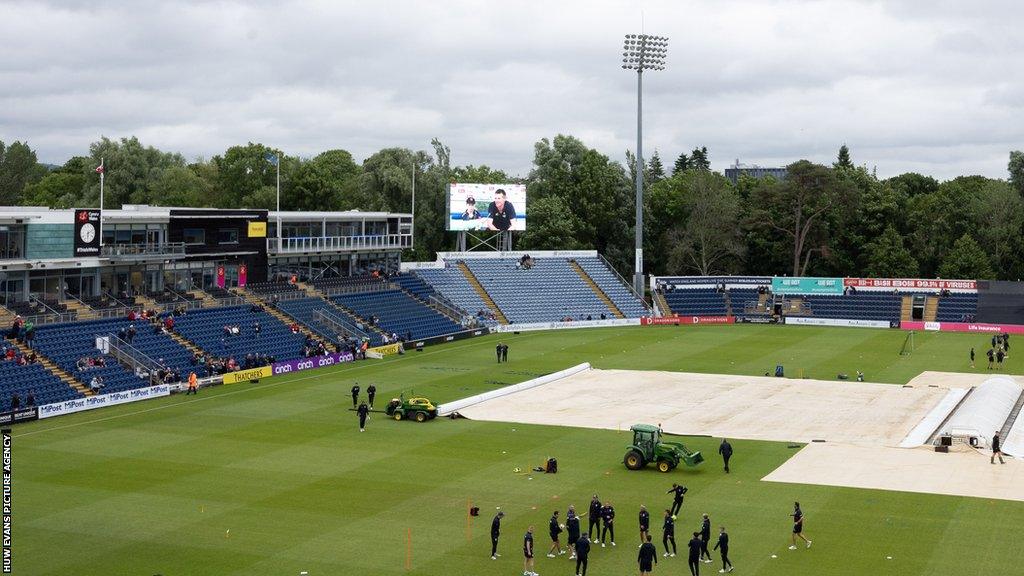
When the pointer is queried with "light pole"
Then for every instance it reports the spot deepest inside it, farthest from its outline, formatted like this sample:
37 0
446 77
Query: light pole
641 52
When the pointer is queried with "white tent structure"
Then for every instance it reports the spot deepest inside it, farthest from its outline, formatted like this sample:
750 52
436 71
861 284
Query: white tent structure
985 411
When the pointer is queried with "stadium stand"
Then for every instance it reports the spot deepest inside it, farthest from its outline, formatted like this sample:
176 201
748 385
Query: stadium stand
958 307
452 284
304 310
861 305
696 302
68 342
399 313
44 385
612 285
205 328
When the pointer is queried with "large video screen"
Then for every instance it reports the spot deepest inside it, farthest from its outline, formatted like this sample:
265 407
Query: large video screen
498 207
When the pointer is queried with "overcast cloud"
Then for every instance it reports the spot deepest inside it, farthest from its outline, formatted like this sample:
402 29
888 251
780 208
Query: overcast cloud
929 86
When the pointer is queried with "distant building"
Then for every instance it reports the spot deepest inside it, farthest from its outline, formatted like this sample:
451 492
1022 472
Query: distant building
733 172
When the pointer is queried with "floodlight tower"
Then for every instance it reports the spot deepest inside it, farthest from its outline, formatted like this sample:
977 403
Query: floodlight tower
641 52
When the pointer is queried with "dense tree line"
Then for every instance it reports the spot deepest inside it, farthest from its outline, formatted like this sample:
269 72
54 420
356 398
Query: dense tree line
838 220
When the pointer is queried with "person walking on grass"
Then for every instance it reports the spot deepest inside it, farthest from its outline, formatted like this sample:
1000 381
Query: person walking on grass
504 352
645 525
371 391
572 527
647 557
495 533
723 548
999 358
497 350
528 553
582 552
364 412
693 561
193 384
677 492
991 357
594 520
705 537
725 449
355 395
972 356
668 534
996 449
555 531
798 526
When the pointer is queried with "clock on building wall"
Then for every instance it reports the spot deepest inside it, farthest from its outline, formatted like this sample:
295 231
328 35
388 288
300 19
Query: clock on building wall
87 233
87 238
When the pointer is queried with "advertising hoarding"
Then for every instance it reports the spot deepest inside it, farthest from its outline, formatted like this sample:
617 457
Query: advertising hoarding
784 285
496 207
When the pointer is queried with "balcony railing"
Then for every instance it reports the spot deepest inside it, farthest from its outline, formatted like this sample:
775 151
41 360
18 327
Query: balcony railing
164 250
337 243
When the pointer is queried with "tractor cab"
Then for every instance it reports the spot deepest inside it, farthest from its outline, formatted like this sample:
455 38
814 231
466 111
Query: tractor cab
646 437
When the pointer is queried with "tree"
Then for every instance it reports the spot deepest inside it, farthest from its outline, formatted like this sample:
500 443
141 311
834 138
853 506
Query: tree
180 186
247 178
1000 220
843 160
552 226
913 184
967 261
60 188
682 164
18 168
1016 168
798 208
131 169
320 183
889 258
707 239
482 174
941 217
655 169
699 159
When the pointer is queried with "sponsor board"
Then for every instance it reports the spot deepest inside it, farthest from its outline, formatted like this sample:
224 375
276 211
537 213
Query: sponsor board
87 233
309 363
785 285
803 320
677 320
101 400
757 319
911 283
698 281
450 337
976 327
386 349
566 325
22 415
248 375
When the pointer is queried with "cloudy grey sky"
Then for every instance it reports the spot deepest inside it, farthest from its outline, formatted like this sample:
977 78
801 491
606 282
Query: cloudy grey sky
935 86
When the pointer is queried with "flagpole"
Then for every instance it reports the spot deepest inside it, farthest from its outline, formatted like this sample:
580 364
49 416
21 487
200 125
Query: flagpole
103 172
278 163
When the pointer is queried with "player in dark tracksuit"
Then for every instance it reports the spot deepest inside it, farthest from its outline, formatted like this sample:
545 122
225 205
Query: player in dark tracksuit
725 449
695 545
705 536
555 530
798 526
608 518
497 350
363 411
355 395
723 546
594 520
668 533
572 527
504 352
528 551
371 391
495 532
582 552
645 524
647 554
677 499
997 449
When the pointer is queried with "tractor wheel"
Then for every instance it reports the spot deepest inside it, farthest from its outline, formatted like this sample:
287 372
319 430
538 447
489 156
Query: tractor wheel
664 465
398 415
421 416
634 460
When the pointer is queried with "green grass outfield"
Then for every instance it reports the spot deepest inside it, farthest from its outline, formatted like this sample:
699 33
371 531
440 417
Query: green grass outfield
154 487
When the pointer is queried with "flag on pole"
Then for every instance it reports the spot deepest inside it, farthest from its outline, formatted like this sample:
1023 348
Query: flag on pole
271 157
100 169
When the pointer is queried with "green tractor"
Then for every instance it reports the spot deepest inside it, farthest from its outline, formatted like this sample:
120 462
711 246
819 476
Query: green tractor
418 409
647 447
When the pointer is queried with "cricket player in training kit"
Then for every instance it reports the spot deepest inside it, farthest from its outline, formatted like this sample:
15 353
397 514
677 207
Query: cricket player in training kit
595 518
677 492
694 545
572 527
645 524
798 526
668 533
495 532
528 553
355 395
705 536
555 530
723 547
582 553
608 518
363 411
647 557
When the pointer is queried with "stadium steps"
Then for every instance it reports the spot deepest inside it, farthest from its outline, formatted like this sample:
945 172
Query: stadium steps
310 289
907 309
205 297
660 305
147 302
53 368
188 344
277 313
597 289
1005 430
931 308
82 312
472 279
440 310
367 325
